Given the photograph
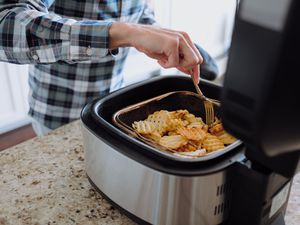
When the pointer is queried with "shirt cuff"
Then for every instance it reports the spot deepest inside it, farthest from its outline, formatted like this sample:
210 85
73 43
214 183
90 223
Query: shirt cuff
89 40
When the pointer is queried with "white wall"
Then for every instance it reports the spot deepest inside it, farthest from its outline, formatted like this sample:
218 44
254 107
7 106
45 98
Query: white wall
13 96
209 22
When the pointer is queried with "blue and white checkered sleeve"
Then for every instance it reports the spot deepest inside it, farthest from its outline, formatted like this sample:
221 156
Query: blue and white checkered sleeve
148 16
29 34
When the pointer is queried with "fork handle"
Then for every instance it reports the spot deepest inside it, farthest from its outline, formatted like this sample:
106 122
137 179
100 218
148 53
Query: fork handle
202 97
198 90
215 102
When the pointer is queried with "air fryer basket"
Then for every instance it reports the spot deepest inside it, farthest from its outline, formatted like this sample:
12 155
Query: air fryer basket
170 101
102 111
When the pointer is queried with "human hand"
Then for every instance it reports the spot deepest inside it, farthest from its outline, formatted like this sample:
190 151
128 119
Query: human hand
170 48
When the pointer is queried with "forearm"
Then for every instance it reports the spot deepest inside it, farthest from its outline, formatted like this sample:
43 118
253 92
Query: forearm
120 35
29 34
170 48
139 36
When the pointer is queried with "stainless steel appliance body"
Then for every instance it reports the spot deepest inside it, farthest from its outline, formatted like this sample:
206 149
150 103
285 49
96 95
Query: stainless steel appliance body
150 187
154 196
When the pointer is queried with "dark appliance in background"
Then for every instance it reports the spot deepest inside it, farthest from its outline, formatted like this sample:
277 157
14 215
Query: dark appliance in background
259 105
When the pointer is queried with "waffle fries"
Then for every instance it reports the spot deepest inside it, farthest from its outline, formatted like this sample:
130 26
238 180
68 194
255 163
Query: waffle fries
183 132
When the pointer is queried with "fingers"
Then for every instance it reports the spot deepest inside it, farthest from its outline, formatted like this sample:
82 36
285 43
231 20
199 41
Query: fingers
191 63
169 48
157 56
189 55
189 41
184 70
194 72
168 59
172 54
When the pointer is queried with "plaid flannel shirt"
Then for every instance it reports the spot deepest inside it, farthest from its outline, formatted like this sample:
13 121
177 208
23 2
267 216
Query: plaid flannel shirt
66 43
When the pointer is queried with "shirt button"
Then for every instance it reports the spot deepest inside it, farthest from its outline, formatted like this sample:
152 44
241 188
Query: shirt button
89 51
35 57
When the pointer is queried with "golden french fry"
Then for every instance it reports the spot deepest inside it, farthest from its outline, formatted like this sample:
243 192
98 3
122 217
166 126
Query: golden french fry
172 133
195 124
216 128
183 132
189 147
173 142
161 120
212 143
143 127
179 114
194 133
175 123
226 138
192 118
155 136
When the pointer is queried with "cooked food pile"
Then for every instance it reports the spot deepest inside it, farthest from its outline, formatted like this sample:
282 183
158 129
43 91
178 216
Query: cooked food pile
183 133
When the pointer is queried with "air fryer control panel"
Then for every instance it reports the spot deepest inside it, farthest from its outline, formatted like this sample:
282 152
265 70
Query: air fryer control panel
270 14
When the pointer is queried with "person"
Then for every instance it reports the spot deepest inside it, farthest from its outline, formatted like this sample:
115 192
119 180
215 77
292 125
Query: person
77 50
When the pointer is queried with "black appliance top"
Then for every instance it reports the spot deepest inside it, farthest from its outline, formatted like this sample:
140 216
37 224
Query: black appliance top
260 95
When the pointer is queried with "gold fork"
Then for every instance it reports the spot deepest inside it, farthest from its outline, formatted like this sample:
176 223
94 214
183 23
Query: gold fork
208 104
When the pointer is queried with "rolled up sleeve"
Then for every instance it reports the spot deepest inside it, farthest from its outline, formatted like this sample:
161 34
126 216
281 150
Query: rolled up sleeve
89 40
30 34
148 16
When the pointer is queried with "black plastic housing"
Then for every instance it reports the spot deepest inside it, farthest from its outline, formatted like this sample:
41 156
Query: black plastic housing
253 192
260 95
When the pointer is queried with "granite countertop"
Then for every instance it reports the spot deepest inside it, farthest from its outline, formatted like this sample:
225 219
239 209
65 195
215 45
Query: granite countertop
43 181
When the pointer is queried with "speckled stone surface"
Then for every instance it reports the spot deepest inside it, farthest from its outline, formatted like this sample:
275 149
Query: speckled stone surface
43 181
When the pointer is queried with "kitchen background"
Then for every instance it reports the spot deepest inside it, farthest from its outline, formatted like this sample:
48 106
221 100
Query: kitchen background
208 22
